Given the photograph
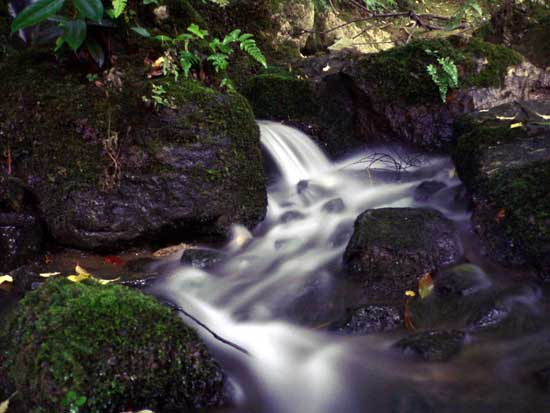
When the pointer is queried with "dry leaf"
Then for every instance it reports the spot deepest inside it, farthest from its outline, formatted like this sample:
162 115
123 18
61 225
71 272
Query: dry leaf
545 117
6 279
6 403
506 117
516 125
48 274
425 285
410 293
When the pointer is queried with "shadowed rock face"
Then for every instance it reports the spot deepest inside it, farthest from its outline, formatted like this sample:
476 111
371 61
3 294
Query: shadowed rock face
507 169
185 171
433 345
391 248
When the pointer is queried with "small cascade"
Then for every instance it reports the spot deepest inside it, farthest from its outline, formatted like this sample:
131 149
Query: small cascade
295 154
282 276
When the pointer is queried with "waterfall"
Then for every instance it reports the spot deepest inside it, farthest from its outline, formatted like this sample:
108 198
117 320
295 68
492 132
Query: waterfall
283 275
296 155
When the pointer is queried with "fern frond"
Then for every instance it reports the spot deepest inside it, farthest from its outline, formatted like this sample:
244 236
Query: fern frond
219 61
197 31
249 46
118 7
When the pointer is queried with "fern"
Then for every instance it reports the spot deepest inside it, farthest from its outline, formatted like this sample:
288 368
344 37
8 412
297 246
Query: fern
445 80
118 7
219 61
197 31
248 45
187 61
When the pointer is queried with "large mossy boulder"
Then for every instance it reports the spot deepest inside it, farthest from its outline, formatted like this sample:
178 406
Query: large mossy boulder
400 100
117 347
107 170
503 157
391 248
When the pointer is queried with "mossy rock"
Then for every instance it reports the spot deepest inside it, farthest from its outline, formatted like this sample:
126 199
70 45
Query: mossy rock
525 28
117 347
391 248
400 73
189 169
281 96
503 156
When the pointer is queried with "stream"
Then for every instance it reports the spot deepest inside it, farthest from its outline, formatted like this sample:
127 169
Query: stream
276 288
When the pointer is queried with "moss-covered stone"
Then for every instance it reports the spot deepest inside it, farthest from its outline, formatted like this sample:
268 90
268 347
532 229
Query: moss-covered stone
281 96
391 248
190 168
117 347
503 157
401 73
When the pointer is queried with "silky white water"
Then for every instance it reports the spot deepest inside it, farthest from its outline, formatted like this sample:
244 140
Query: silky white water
284 275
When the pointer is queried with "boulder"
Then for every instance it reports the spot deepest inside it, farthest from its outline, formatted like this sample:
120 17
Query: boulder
436 346
202 258
401 101
391 248
116 347
503 157
109 171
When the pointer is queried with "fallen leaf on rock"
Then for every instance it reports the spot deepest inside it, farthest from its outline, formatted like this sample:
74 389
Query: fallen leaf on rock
516 125
82 275
425 285
6 279
48 274
506 117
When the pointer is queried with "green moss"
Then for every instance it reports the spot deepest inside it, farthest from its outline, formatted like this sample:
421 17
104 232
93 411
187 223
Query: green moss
400 73
281 96
524 193
118 347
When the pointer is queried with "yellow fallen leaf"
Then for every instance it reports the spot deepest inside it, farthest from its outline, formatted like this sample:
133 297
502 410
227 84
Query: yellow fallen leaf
516 125
545 117
81 271
5 279
6 403
506 117
410 293
105 282
81 275
48 274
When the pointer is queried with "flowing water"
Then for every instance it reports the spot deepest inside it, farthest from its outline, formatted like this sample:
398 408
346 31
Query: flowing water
278 286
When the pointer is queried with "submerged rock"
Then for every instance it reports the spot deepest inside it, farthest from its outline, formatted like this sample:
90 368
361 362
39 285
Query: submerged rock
433 345
109 171
368 320
116 346
202 258
427 189
391 248
503 157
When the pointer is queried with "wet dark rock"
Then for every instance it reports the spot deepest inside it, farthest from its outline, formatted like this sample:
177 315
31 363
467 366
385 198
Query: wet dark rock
427 189
391 248
512 313
542 377
21 239
186 172
290 216
367 320
202 258
26 278
507 170
334 206
461 280
433 345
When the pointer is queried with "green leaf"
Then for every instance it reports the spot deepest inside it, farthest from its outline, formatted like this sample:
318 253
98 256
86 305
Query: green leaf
96 51
36 13
163 38
74 33
92 9
197 31
118 7
142 31
147 2
81 401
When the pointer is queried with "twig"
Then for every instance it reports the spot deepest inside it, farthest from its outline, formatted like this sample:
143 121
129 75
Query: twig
216 336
